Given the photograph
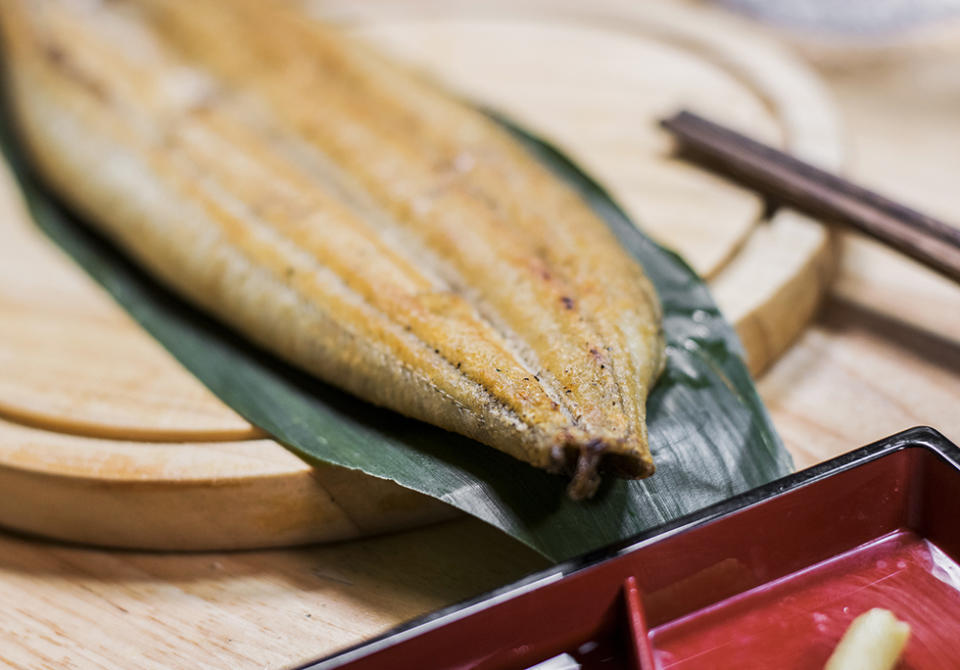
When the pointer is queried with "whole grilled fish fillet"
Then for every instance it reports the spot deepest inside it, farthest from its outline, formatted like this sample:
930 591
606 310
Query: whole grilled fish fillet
347 215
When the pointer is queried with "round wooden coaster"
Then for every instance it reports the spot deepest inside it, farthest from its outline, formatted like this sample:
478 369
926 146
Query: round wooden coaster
105 439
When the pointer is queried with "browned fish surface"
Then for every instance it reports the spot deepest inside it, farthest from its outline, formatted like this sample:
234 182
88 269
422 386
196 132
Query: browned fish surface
346 215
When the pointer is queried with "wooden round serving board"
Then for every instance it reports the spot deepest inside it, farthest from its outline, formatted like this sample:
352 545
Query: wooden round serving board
105 439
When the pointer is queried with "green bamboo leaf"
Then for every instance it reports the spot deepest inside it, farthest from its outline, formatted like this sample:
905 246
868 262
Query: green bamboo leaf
710 434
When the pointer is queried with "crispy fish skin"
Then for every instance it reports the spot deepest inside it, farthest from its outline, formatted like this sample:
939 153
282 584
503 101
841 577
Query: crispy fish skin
346 215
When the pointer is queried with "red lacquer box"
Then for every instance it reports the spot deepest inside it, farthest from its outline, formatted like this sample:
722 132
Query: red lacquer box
768 579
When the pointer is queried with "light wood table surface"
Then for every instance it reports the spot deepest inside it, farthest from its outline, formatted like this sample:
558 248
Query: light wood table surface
883 355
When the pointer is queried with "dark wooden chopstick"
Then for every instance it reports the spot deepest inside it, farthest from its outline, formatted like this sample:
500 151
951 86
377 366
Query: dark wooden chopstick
788 180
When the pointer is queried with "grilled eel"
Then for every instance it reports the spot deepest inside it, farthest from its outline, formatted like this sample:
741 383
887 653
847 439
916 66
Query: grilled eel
347 215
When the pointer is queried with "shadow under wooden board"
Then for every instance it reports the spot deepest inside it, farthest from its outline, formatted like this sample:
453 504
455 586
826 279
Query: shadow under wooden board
104 439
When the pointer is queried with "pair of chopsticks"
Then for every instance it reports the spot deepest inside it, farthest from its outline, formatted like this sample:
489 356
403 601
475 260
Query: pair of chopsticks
790 181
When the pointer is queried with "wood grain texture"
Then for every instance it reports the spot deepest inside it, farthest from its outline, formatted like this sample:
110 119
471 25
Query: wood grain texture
597 112
885 353
75 363
858 375
881 357
790 182
68 607
767 278
916 161
90 405
91 448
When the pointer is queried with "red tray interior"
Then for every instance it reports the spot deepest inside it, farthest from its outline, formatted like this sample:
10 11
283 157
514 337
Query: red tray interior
796 622
772 585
